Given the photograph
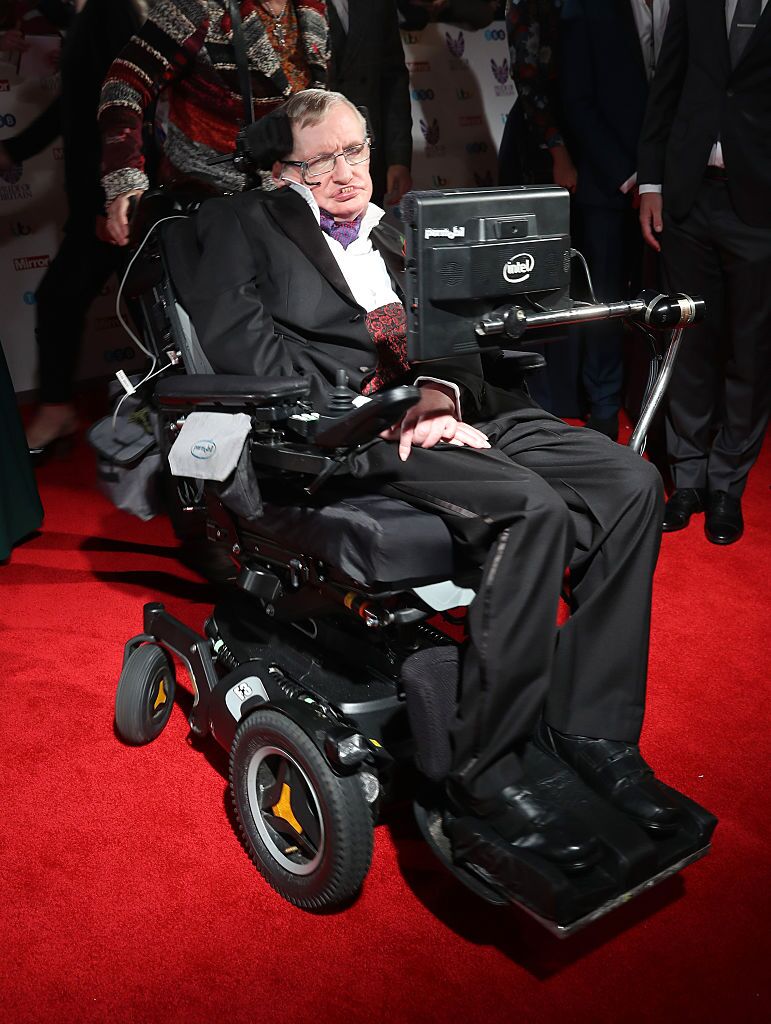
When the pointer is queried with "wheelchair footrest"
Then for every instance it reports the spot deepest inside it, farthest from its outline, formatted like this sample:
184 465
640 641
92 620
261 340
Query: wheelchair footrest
500 873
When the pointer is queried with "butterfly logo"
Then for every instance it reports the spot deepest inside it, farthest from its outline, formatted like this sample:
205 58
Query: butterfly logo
430 131
501 71
483 179
455 46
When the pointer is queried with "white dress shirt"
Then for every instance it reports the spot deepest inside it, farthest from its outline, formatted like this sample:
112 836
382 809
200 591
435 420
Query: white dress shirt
651 22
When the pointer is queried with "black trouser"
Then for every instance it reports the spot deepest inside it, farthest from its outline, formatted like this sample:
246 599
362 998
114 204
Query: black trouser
720 392
545 498
609 239
76 275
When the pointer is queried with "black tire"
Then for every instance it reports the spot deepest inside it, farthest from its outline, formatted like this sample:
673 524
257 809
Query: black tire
323 862
145 695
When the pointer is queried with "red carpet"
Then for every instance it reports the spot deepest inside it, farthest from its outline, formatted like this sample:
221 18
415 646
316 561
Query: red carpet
126 896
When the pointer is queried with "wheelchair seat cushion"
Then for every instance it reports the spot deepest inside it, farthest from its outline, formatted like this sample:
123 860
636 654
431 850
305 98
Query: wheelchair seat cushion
368 538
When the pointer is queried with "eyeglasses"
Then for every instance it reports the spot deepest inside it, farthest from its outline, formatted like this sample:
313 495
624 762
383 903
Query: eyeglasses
321 165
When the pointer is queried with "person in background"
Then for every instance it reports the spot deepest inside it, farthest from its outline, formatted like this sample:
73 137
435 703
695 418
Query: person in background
86 259
704 173
186 48
20 510
608 53
367 65
533 148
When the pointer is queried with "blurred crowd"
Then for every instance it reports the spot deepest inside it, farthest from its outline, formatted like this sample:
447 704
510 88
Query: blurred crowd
155 93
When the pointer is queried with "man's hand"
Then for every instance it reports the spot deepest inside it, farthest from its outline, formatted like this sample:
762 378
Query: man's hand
651 209
430 421
118 217
14 41
398 182
563 169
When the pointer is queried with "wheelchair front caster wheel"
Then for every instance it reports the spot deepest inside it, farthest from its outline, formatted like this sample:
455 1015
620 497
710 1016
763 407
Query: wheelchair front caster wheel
145 695
308 831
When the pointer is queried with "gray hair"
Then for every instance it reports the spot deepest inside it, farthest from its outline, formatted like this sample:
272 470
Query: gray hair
308 108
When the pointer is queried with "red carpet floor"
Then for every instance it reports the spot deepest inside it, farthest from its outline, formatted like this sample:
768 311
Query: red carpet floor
126 896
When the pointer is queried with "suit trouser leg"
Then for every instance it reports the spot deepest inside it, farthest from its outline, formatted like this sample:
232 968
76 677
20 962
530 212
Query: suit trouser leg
525 511
76 275
718 404
603 239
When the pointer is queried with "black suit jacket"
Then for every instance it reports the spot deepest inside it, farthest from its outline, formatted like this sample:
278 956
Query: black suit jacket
604 90
367 66
267 297
695 98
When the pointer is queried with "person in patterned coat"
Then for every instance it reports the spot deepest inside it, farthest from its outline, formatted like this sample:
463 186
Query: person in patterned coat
185 49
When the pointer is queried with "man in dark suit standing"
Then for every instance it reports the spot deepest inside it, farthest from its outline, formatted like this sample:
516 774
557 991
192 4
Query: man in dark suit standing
705 183
367 66
304 280
608 54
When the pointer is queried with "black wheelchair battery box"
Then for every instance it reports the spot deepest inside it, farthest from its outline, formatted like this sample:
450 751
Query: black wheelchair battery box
470 251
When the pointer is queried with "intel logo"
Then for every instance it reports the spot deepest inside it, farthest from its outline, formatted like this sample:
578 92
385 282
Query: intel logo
518 268
203 449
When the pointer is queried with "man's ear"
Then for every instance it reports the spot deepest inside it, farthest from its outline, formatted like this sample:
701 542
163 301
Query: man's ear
276 170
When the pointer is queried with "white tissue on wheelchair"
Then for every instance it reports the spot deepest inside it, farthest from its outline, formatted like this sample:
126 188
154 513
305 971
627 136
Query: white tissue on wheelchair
209 445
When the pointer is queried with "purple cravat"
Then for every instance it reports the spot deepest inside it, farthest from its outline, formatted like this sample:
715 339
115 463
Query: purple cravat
344 231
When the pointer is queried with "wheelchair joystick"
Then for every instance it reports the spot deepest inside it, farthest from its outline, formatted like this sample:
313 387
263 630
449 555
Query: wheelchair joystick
341 399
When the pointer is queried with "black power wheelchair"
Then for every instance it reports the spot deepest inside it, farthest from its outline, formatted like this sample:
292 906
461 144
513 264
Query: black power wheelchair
329 668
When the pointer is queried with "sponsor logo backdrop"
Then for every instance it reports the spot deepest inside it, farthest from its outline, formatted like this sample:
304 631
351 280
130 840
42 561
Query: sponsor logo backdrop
461 94
32 211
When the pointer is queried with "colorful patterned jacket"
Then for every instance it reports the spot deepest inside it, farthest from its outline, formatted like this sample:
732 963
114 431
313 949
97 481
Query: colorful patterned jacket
185 49
532 27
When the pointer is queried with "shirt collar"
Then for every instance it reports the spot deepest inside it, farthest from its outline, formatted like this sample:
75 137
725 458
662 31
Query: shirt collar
372 215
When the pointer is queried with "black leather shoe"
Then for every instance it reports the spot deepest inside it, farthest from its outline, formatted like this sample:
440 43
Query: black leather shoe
681 506
529 822
724 523
607 425
616 771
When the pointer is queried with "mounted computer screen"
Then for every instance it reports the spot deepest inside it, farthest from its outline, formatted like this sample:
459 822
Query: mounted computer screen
471 251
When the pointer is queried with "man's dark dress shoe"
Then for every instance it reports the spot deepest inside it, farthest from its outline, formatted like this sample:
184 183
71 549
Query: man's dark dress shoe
724 523
607 425
681 506
616 771
529 822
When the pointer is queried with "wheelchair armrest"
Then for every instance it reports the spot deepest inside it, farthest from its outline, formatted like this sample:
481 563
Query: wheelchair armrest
231 390
366 421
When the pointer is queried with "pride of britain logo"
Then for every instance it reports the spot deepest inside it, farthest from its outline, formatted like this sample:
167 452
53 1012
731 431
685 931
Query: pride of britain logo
518 268
12 174
457 47
431 134
503 87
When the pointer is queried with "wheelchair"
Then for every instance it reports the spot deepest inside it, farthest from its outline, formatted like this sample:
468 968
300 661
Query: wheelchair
328 669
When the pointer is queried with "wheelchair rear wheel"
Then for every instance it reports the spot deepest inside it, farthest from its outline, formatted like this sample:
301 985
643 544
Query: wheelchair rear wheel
308 831
145 695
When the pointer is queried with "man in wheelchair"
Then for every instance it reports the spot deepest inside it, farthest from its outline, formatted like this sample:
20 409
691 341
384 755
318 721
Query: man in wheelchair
304 282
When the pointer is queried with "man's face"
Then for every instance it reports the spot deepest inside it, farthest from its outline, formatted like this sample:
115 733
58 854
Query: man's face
346 190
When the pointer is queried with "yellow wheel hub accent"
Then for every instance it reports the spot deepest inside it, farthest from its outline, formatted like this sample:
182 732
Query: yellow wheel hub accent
162 696
283 809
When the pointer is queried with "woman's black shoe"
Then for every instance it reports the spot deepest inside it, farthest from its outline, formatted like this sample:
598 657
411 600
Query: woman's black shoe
681 506
616 771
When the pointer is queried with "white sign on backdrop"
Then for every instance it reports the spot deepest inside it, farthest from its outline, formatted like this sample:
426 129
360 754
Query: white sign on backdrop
32 212
461 90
